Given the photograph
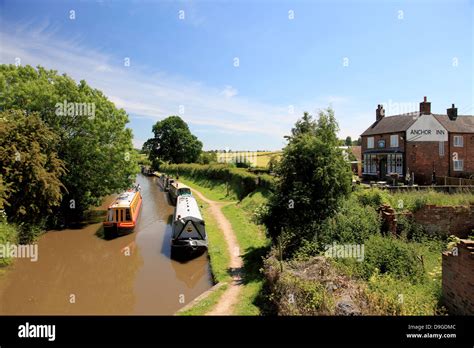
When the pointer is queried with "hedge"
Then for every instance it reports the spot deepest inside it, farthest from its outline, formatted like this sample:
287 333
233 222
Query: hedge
241 181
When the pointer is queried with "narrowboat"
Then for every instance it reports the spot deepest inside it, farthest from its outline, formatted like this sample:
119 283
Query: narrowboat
189 231
122 214
177 189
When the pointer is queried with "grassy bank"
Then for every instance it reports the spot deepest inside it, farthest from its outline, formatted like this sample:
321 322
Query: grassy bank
251 238
218 255
254 246
8 234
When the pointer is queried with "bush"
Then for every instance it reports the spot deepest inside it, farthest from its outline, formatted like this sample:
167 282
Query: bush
8 234
411 230
393 256
352 224
373 197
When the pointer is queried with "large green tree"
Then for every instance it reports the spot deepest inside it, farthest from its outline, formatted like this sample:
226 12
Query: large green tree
172 142
312 178
95 146
31 169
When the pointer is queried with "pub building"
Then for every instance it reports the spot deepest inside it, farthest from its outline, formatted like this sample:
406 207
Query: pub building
420 144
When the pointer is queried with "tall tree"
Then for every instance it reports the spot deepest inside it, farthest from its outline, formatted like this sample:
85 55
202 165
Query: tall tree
31 169
173 142
94 142
348 141
312 178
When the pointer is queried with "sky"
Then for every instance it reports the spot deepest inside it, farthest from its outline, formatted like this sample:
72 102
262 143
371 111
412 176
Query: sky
240 73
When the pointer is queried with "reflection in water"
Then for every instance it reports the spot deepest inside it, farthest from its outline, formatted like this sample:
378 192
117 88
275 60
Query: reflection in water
132 274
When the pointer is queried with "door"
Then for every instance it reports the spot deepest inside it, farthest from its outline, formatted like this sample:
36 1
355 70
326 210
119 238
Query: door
383 168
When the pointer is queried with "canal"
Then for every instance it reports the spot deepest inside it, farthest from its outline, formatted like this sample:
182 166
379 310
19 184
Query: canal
77 272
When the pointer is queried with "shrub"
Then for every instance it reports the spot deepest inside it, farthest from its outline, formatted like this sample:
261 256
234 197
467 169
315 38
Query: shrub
373 197
393 256
411 230
8 234
353 223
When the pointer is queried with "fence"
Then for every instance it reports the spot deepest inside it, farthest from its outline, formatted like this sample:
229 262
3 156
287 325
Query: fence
450 181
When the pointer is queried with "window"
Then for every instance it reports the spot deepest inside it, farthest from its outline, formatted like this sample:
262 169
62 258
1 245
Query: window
370 142
458 141
110 215
127 215
369 164
458 165
395 163
381 143
394 140
441 148
117 215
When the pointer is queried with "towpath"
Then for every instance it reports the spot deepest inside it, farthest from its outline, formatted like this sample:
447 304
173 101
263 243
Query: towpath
230 297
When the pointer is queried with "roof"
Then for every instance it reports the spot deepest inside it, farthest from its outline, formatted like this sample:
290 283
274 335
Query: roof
124 199
186 206
392 124
400 123
179 185
463 124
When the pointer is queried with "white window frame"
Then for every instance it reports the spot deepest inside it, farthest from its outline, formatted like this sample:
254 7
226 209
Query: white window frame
395 163
370 142
457 167
441 149
394 140
370 166
459 142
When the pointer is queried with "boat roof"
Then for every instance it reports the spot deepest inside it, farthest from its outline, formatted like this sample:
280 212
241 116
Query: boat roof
124 199
179 185
186 206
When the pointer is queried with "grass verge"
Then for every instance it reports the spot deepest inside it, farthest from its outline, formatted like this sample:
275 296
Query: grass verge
251 237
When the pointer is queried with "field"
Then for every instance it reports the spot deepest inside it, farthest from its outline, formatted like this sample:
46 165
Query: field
256 158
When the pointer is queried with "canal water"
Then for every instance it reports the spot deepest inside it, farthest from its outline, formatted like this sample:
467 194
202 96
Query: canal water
77 272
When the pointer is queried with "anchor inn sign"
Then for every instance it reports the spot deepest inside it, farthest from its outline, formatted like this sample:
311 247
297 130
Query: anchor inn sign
419 143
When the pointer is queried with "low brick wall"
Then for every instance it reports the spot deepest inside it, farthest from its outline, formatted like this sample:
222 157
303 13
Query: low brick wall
458 220
458 279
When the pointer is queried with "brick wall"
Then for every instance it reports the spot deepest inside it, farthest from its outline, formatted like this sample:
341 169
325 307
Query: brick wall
458 220
465 153
420 158
458 279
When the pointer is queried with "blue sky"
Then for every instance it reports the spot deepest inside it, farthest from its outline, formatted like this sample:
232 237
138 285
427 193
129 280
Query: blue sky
396 53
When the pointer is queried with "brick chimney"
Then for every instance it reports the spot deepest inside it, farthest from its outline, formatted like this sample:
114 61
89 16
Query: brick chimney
380 112
425 107
452 113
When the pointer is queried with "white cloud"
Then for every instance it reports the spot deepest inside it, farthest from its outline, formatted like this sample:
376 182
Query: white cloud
229 92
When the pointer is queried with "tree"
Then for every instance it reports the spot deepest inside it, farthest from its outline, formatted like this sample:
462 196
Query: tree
173 142
31 169
312 179
207 157
94 143
348 141
272 163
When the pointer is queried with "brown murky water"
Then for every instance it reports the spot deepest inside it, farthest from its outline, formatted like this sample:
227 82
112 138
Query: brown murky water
80 273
